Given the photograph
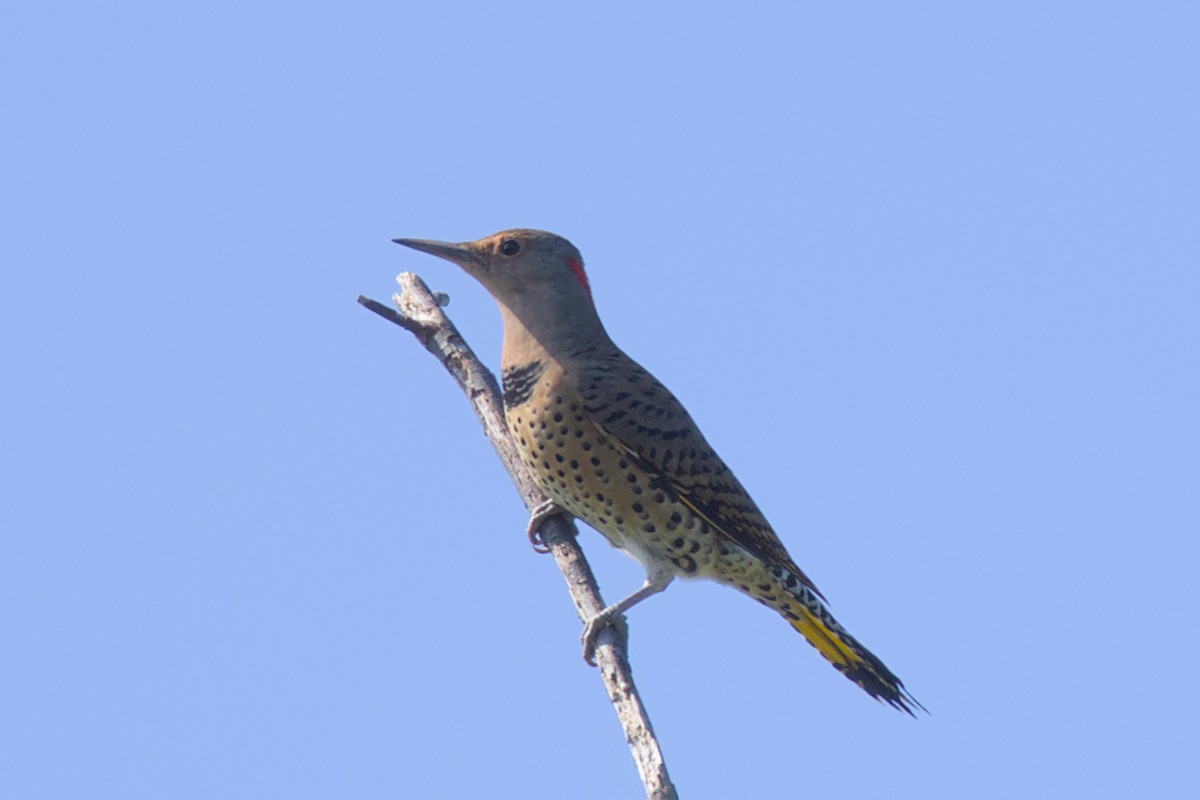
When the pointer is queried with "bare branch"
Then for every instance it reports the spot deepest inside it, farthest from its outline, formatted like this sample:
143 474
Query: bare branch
419 312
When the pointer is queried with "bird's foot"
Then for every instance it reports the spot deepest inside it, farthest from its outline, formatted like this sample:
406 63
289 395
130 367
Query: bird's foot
541 512
609 616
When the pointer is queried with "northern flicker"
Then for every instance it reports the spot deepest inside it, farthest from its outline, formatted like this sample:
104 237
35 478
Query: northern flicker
612 446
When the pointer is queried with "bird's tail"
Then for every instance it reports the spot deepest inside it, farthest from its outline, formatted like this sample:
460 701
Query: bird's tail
805 611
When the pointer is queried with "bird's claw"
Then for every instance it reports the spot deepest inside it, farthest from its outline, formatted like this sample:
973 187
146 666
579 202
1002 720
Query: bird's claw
541 512
591 630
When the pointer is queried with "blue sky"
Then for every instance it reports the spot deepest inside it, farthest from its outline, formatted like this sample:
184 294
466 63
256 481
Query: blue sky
926 274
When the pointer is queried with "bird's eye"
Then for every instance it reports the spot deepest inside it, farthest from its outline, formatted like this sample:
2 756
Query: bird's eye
510 247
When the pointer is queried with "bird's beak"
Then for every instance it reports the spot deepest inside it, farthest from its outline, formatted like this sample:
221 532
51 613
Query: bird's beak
460 254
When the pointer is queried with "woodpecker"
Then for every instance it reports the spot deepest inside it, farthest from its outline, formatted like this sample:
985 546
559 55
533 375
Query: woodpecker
610 445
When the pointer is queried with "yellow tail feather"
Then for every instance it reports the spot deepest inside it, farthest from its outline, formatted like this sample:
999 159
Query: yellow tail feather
814 622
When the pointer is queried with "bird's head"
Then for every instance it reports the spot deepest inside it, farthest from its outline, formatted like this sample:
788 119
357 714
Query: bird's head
535 276
516 262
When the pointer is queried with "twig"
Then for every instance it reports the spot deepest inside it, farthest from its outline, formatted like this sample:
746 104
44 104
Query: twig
420 313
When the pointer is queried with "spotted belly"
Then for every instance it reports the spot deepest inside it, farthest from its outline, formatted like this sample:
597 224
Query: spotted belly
584 473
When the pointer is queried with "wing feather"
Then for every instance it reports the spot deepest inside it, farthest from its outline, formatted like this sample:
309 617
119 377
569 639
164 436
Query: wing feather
639 415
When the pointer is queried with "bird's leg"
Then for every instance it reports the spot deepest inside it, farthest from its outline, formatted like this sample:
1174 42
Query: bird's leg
542 512
656 580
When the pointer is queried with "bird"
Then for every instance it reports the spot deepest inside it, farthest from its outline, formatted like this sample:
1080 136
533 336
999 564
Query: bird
610 445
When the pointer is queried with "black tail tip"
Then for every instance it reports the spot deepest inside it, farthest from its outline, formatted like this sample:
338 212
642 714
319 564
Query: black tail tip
880 683
900 699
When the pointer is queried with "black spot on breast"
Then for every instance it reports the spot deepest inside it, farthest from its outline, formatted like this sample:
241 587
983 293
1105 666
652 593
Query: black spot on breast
685 563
